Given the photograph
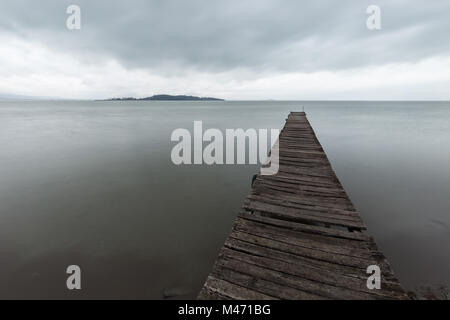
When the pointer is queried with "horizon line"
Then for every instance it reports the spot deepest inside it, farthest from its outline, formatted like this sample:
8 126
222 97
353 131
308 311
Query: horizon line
226 100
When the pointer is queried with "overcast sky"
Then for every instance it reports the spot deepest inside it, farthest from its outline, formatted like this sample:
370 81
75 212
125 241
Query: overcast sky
233 49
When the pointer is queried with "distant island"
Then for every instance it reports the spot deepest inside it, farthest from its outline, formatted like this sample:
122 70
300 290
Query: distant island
166 97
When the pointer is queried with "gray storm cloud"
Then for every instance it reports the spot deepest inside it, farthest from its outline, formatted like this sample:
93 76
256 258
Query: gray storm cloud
215 36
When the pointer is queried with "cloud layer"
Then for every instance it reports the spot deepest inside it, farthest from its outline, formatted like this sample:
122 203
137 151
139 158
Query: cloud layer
254 49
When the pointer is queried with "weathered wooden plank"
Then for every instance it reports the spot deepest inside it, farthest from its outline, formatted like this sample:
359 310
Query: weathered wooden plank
332 233
317 201
302 208
207 294
306 238
307 189
289 214
233 291
320 173
295 214
307 199
305 179
320 193
297 202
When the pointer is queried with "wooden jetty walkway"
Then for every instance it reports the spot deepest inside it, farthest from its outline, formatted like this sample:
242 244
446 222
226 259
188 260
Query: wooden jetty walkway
298 235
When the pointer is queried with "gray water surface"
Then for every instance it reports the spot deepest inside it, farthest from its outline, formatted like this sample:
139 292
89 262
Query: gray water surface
92 184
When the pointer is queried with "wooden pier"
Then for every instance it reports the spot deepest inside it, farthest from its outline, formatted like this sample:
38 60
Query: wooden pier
298 235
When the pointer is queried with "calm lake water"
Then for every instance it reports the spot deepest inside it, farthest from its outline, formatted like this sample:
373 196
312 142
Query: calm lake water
92 184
